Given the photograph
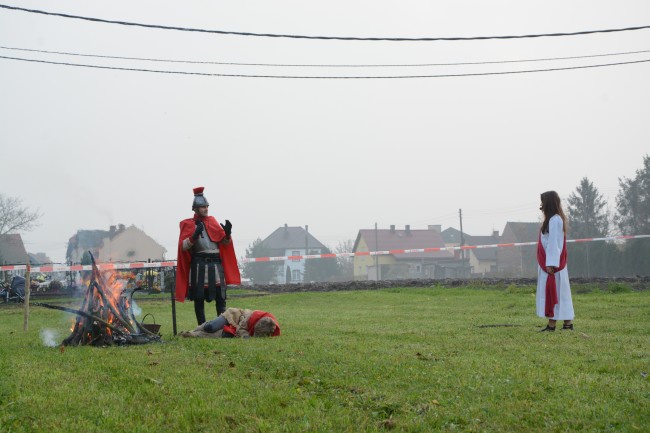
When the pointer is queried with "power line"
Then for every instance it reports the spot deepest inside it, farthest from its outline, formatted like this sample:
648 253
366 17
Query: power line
340 38
499 211
335 77
439 218
101 56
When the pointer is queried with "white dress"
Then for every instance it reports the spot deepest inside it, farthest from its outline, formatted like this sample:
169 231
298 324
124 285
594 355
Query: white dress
552 242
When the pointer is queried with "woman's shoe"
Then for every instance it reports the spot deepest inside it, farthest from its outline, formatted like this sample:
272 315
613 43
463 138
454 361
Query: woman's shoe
566 327
548 329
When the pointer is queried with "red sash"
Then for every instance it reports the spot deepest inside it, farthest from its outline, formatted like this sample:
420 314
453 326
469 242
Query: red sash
551 288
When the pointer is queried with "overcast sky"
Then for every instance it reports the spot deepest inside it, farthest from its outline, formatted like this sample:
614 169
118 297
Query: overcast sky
91 148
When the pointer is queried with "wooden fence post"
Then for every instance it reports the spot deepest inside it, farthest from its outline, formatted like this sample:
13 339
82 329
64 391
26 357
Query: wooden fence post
27 292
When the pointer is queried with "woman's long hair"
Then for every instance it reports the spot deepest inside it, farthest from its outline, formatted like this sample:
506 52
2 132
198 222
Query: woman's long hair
551 206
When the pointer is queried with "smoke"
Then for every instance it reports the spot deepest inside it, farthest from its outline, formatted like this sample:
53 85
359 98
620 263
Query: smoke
136 310
49 337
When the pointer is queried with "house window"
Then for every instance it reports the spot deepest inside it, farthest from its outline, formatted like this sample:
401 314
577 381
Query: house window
295 275
295 253
418 269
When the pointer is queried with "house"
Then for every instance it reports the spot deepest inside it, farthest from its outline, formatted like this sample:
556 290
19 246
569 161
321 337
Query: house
118 244
454 238
39 259
520 261
435 264
12 250
482 261
292 241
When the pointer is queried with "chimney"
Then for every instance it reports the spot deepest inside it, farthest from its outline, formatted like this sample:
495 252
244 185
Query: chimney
121 227
112 229
392 228
495 234
435 227
408 229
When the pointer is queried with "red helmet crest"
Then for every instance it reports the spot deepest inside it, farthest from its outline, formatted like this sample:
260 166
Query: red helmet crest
199 199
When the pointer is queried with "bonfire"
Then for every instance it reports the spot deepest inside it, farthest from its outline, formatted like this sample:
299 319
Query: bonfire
106 314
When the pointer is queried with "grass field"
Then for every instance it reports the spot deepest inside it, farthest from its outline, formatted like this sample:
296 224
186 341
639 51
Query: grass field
411 360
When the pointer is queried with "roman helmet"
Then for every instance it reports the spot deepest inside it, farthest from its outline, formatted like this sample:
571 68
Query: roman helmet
199 200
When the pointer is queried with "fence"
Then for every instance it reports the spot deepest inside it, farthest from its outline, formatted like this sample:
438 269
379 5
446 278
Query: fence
614 256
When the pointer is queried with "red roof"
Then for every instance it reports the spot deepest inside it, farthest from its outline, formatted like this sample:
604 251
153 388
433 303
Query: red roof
403 240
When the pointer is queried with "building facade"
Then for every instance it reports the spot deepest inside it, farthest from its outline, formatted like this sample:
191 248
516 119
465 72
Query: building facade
519 261
292 241
434 264
118 244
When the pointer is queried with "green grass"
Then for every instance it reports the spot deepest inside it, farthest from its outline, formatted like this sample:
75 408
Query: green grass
412 360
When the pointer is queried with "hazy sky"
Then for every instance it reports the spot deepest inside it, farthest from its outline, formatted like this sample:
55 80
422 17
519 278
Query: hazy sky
91 147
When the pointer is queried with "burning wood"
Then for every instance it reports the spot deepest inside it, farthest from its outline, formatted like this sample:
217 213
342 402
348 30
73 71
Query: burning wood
106 316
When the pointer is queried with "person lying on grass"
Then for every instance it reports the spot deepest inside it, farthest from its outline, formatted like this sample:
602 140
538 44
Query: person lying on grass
237 322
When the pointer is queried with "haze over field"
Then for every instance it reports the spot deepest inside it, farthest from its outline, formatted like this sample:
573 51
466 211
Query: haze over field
92 148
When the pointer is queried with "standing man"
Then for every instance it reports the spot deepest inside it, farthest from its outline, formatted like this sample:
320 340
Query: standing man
206 259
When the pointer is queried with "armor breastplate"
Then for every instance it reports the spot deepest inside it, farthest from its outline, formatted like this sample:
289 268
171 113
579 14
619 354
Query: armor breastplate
204 245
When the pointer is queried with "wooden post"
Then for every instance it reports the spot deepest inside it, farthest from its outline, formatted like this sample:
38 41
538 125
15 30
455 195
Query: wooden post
173 292
27 292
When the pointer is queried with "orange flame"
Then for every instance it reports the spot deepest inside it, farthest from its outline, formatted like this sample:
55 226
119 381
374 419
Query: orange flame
113 286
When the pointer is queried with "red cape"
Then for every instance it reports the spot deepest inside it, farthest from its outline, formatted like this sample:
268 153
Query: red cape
227 252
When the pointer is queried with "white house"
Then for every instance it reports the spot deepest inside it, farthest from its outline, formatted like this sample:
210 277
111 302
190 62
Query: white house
292 241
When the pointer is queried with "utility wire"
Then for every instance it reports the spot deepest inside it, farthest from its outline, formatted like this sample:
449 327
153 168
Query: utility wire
312 65
339 77
340 38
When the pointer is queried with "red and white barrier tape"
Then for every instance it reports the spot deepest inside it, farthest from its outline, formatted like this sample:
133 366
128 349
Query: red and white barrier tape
101 266
172 263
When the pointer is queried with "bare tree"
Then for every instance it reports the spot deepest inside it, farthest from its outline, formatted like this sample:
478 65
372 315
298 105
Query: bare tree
324 269
346 264
14 217
260 272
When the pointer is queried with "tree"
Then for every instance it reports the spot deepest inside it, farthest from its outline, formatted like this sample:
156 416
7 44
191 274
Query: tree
587 212
633 202
260 272
321 269
14 217
588 218
633 218
86 260
346 264
287 275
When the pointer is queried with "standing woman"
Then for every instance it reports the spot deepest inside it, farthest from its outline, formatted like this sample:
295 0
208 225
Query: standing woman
553 288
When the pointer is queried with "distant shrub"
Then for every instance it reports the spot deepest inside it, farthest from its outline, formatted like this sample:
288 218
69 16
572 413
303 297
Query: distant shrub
585 288
513 289
618 288
55 285
170 281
